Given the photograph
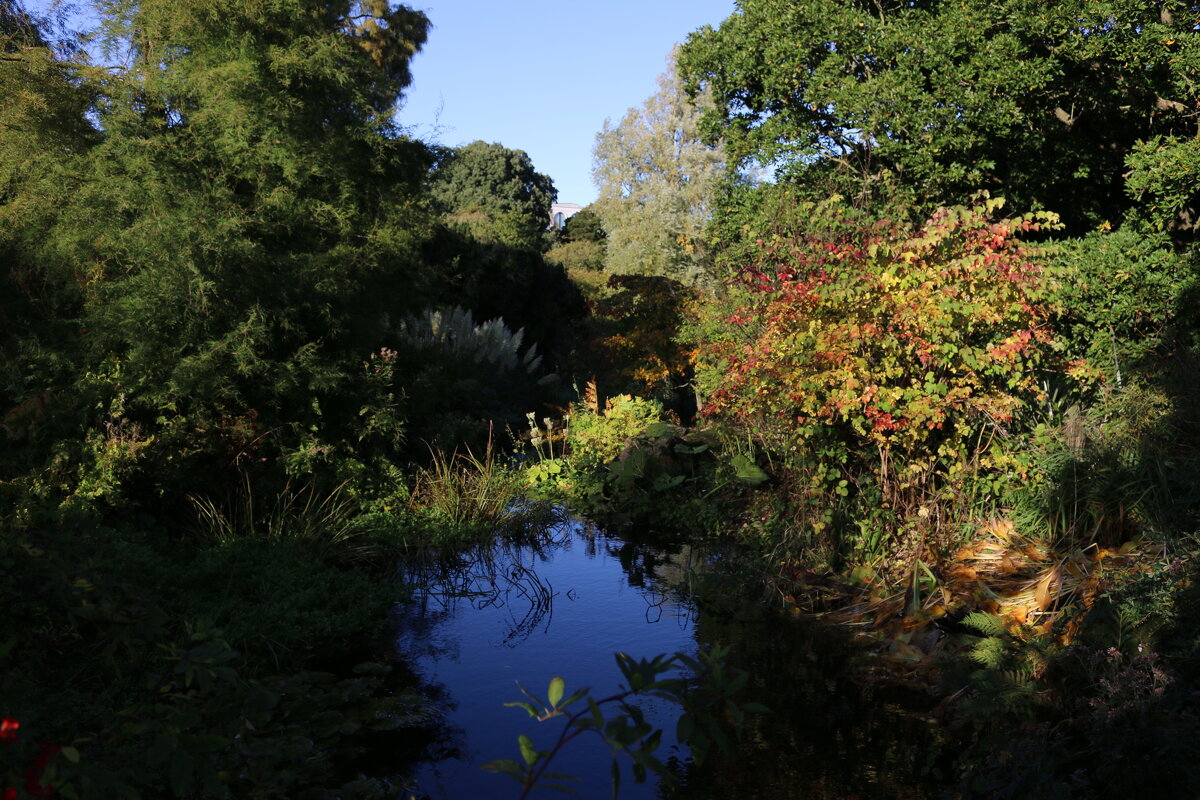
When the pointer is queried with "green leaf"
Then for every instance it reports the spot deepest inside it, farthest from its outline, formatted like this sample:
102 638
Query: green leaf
746 471
506 766
554 787
70 754
597 719
684 728
555 692
656 430
575 695
181 773
528 751
533 712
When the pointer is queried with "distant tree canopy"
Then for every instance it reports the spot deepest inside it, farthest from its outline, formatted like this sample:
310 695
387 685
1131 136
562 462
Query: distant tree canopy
580 247
495 191
656 180
1086 107
584 226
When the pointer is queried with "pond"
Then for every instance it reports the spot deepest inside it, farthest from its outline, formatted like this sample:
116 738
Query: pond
523 614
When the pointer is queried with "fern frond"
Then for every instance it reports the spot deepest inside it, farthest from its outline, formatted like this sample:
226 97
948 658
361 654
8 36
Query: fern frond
990 652
986 624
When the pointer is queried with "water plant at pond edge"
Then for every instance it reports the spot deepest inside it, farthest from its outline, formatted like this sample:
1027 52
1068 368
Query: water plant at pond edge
193 669
462 495
707 701
320 521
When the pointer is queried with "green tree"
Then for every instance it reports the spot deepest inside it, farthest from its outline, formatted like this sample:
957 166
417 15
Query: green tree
585 226
580 248
490 245
222 250
494 192
1043 102
656 181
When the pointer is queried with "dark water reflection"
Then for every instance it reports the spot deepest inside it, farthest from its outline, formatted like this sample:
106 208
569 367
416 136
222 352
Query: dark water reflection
563 606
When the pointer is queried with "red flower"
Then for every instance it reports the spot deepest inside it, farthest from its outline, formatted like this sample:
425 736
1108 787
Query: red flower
8 732
33 784
10 794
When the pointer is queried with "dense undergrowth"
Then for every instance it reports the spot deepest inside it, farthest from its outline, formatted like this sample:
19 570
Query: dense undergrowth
256 343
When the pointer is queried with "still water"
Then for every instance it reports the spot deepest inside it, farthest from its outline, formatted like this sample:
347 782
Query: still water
527 613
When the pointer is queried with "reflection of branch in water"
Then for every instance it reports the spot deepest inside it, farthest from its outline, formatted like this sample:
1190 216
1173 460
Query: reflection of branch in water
489 577
682 611
540 595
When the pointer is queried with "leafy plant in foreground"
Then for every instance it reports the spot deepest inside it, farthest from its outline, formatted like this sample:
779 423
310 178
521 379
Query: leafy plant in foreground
708 697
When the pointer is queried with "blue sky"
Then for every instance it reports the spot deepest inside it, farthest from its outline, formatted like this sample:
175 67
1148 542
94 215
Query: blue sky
541 76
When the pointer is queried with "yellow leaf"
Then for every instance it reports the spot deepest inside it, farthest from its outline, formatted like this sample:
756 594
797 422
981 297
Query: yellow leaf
1042 594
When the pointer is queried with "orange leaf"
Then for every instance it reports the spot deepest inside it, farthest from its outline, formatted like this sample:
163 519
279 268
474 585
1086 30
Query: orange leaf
1043 589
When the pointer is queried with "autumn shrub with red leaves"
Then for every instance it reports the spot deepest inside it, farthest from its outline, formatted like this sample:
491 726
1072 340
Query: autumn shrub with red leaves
887 363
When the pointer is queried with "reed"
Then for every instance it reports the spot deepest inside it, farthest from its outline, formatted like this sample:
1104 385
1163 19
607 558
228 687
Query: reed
303 514
466 492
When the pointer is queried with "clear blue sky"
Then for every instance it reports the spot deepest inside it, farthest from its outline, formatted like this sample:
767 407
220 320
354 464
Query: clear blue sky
543 76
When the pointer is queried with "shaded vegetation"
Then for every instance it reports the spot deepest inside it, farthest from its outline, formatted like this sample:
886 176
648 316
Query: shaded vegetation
256 341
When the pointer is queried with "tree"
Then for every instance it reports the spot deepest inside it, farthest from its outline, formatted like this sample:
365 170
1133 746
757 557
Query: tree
222 249
580 247
1042 102
496 211
496 192
656 181
585 226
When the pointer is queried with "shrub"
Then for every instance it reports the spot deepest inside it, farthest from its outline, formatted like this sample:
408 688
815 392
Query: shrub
596 438
889 363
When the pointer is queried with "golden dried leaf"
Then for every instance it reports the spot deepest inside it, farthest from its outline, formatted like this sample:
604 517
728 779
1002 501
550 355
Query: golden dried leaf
1044 585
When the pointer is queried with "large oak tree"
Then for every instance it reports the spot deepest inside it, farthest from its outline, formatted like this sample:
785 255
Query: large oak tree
1085 107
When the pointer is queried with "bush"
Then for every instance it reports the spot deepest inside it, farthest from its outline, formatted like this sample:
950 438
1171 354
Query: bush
886 363
595 439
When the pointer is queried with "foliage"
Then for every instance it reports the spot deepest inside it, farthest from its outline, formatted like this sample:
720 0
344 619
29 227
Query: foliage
467 495
656 181
259 142
1099 493
632 338
1116 710
322 521
584 226
483 267
888 359
1009 665
111 661
1039 101
500 187
462 377
596 438
578 258
630 468
580 248
1128 305
42 116
455 333
707 700
1160 176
